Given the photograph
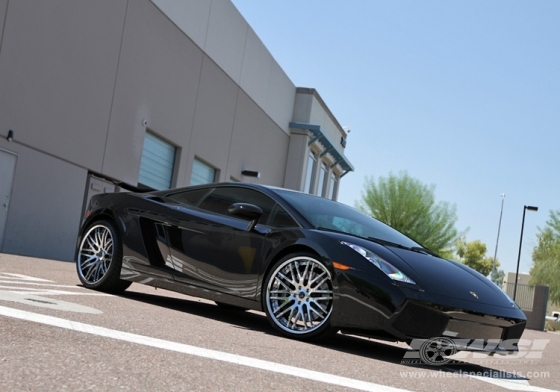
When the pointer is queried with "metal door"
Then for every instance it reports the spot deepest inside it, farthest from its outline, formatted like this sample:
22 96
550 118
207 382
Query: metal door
7 168
96 185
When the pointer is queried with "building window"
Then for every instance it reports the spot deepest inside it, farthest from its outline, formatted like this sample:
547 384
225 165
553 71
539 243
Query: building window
156 165
202 173
311 163
333 186
321 186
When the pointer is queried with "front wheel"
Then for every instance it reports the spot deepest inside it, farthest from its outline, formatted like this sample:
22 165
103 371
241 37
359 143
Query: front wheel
298 297
99 258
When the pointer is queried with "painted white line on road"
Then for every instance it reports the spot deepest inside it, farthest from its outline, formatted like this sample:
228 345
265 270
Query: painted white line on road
197 351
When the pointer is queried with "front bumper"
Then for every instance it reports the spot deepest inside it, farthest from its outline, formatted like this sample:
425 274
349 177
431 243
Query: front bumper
470 331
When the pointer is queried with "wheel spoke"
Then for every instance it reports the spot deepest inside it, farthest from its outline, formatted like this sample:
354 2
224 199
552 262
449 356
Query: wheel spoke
279 308
319 276
280 278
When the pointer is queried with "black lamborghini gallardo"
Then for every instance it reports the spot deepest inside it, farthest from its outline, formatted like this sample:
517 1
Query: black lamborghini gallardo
313 265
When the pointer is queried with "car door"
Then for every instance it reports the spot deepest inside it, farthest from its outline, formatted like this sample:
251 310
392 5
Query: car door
212 249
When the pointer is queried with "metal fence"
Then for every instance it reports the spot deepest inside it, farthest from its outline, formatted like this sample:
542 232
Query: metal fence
524 296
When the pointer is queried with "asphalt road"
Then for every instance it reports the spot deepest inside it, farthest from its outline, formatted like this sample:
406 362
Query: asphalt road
58 336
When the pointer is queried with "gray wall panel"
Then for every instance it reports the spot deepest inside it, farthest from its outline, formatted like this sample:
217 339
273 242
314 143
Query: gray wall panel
191 16
281 97
296 167
257 144
273 157
214 116
222 32
3 8
225 41
256 71
57 73
248 138
302 108
158 80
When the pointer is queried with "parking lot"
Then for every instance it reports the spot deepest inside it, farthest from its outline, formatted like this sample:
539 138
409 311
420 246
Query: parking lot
57 335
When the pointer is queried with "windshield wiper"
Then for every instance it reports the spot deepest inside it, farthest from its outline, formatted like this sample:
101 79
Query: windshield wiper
421 249
338 231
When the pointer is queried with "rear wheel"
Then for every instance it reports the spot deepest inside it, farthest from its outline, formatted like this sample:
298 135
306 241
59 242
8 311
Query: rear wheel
298 297
99 258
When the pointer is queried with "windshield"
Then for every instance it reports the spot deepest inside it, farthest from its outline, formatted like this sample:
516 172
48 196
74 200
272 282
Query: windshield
331 215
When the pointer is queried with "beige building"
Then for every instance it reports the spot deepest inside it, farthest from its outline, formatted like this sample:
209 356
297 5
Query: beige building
154 93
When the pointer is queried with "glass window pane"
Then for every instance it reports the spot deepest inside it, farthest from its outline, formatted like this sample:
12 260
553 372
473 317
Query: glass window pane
322 175
222 198
281 219
191 198
311 162
333 186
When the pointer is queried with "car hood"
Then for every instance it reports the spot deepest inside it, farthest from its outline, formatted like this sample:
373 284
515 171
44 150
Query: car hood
452 279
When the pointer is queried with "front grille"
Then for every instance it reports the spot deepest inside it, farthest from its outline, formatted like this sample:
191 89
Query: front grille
514 332
421 321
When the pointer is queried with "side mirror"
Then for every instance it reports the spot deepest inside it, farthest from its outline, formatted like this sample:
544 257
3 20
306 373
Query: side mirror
247 211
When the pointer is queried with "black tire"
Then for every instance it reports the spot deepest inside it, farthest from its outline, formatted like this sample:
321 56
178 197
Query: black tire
99 258
298 297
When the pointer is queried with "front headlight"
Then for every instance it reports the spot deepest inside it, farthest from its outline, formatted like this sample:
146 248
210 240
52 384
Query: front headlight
383 265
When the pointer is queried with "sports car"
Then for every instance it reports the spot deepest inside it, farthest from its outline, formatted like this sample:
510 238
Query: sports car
313 266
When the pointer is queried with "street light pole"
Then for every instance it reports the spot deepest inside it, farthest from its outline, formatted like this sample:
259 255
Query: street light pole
493 273
525 208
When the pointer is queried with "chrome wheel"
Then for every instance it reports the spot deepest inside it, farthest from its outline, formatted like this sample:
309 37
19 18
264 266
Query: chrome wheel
95 254
299 295
99 258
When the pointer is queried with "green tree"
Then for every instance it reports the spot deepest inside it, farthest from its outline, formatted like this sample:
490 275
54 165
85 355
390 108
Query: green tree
409 206
473 254
497 276
546 257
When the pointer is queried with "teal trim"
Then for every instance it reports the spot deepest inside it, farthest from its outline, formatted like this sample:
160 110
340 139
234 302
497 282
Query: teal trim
330 147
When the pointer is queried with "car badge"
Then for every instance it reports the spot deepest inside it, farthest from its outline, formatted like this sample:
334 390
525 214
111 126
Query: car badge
474 294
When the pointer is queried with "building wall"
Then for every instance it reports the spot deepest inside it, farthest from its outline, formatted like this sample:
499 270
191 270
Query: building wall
221 32
81 98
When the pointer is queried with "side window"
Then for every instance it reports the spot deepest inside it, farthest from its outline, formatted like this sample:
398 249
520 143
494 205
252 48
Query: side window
281 219
222 198
191 198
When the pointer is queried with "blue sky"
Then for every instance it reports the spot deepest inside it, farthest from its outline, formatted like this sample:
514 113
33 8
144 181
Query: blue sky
464 95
